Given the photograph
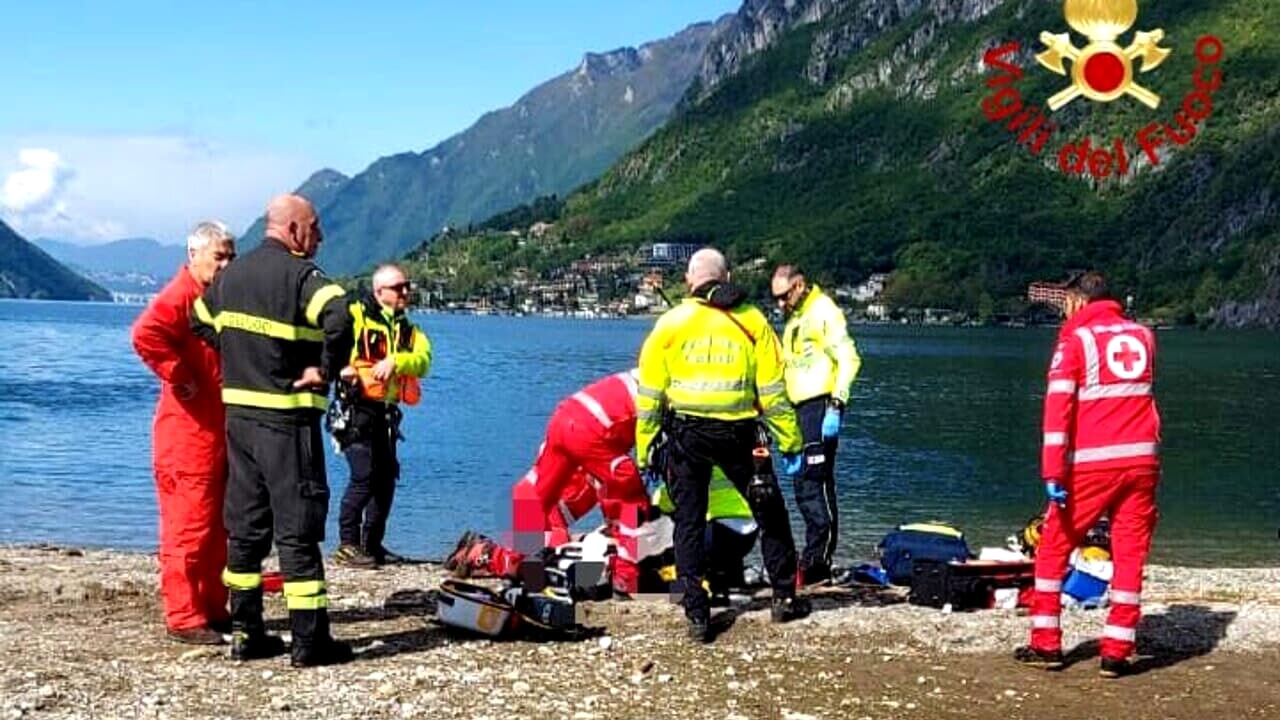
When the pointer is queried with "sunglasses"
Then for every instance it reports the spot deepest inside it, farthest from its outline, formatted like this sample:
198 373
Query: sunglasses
782 296
400 288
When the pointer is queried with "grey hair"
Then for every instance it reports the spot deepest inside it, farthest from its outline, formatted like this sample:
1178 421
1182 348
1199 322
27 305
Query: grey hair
383 271
207 232
708 264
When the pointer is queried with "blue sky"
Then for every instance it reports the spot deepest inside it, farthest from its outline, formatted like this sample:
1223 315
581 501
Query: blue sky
130 118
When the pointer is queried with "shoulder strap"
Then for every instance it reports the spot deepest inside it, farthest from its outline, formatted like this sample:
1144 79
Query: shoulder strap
751 339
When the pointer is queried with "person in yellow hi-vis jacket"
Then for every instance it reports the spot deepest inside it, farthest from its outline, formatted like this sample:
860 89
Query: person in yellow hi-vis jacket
709 371
388 359
821 363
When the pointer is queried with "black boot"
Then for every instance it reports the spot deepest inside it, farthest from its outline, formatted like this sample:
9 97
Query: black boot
312 643
249 638
786 609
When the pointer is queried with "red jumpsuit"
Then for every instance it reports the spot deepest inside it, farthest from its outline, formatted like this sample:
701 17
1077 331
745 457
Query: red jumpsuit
585 456
1101 442
189 456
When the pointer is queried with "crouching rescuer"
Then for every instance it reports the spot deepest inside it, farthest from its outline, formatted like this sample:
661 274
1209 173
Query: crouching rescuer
283 331
389 356
709 369
1101 440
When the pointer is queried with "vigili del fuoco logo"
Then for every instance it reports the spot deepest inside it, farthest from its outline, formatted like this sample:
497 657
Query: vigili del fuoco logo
1101 71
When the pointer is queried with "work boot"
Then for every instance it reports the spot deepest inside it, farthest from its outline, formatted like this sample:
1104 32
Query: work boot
783 610
1112 668
249 638
312 643
383 556
354 556
1043 659
199 635
699 626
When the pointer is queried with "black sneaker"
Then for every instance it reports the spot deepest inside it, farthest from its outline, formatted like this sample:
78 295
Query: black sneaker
385 557
1112 668
1043 659
326 652
255 647
353 556
699 628
783 610
221 626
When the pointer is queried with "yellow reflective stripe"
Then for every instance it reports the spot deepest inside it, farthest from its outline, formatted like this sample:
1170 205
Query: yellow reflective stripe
310 602
203 314
320 299
259 325
304 588
241 581
274 401
934 528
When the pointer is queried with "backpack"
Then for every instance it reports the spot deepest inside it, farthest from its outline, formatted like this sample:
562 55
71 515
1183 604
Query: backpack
919 541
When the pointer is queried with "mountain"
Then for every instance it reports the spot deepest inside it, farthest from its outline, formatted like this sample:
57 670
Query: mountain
562 133
321 189
26 271
851 136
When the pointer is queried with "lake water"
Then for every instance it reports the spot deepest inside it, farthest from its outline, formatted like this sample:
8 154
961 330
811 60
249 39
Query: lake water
944 423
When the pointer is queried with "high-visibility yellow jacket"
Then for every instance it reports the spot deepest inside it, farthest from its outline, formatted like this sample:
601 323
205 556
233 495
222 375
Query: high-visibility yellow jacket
380 333
820 356
724 502
707 362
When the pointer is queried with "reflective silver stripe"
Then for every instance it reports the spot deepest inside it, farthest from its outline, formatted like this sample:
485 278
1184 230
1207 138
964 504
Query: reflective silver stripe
708 385
778 409
648 392
1124 597
594 408
531 477
1044 585
1055 438
1118 328
1090 346
772 388
614 463
737 405
1062 387
647 414
630 382
1115 390
1115 632
1114 452
1046 622
566 514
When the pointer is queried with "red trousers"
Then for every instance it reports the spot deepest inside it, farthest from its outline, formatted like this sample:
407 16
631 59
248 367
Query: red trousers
193 548
1128 497
552 494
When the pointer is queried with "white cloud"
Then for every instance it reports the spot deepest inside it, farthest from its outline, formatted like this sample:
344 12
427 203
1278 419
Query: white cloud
102 187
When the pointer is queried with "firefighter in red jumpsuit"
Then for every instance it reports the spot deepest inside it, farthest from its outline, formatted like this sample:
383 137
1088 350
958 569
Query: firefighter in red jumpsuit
1100 456
584 457
189 446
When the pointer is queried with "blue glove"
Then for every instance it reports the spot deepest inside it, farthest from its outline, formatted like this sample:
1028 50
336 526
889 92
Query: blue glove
651 479
792 464
1055 493
831 424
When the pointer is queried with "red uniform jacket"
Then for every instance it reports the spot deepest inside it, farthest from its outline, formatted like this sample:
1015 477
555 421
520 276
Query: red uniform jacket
611 401
1099 412
189 434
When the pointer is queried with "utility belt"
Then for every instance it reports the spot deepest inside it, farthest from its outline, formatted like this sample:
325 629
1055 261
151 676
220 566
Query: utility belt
351 418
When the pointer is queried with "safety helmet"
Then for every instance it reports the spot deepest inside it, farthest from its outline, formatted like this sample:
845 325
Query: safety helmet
1031 534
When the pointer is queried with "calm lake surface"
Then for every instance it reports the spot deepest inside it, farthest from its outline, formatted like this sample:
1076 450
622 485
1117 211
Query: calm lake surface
944 424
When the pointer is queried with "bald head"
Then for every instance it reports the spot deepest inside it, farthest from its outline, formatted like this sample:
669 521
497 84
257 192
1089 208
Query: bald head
706 265
292 220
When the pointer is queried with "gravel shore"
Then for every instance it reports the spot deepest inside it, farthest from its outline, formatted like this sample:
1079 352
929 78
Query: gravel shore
81 636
